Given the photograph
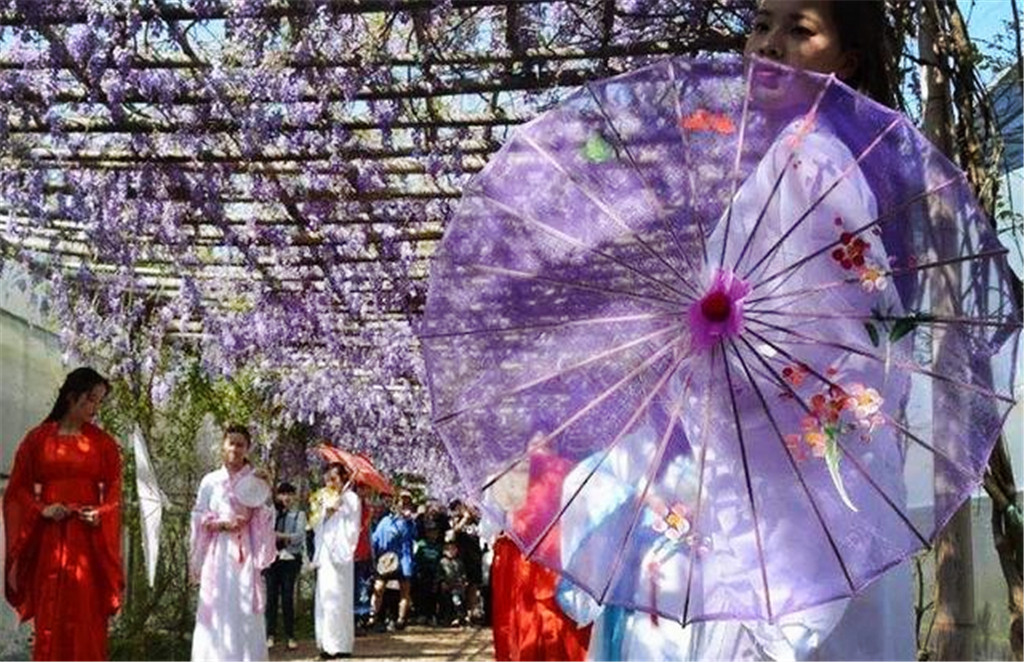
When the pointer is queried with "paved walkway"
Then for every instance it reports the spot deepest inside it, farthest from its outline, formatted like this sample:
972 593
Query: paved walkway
413 643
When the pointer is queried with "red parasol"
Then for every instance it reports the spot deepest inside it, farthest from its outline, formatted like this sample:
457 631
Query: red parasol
361 467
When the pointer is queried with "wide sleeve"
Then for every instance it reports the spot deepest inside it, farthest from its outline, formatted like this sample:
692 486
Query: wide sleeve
591 494
262 537
408 538
22 525
377 537
200 536
809 210
809 215
341 530
109 535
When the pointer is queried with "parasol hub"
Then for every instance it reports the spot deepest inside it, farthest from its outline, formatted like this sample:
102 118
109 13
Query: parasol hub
716 307
719 313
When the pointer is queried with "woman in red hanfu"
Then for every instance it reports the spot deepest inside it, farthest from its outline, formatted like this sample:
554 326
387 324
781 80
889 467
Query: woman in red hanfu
527 621
62 516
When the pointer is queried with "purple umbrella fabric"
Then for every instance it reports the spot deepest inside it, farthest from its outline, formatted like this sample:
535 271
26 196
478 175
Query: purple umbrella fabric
740 301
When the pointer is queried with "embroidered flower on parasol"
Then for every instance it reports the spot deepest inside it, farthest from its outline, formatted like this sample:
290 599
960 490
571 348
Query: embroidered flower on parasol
363 471
741 300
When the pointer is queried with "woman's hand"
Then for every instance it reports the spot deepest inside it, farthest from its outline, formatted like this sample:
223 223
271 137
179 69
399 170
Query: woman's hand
231 525
56 511
222 525
90 516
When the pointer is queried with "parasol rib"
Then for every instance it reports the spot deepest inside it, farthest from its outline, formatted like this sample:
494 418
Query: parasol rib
792 462
583 410
912 367
578 285
809 116
600 204
705 430
831 383
639 499
583 321
814 205
889 273
871 481
559 373
634 417
677 102
572 241
656 205
750 487
734 177
895 212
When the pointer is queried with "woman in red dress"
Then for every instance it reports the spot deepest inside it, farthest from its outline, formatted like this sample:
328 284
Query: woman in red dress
527 621
62 516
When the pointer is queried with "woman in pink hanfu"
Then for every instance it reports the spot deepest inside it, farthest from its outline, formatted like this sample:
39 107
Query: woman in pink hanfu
232 541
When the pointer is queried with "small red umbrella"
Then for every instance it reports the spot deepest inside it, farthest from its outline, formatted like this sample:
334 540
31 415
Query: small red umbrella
362 469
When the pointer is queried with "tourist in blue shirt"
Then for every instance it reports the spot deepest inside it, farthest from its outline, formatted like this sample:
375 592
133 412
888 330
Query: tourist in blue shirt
392 543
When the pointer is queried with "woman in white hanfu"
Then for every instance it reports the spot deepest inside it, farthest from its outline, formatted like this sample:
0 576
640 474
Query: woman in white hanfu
232 541
335 520
807 173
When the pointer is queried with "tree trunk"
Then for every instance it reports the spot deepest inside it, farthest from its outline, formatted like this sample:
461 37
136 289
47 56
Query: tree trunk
954 561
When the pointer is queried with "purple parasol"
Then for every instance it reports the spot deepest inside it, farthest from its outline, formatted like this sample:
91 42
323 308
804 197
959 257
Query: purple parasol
740 303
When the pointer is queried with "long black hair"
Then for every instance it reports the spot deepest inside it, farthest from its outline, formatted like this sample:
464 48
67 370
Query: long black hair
863 26
78 382
343 472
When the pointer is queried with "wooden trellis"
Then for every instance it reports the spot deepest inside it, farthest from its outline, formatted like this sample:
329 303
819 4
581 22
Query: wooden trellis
418 97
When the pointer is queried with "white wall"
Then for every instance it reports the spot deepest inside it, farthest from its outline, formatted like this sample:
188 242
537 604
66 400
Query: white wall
30 375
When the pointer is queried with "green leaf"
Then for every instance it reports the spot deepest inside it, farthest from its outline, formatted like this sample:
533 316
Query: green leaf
832 462
902 327
872 333
597 149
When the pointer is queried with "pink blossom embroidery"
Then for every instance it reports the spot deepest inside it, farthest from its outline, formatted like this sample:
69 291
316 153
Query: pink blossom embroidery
865 401
805 126
872 278
850 253
835 412
673 522
795 375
